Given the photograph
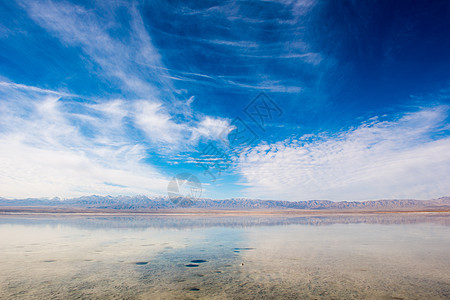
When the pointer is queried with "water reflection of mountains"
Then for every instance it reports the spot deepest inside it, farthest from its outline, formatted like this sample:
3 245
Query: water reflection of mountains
190 222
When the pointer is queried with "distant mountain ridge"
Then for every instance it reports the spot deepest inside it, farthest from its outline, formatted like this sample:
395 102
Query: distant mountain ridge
142 203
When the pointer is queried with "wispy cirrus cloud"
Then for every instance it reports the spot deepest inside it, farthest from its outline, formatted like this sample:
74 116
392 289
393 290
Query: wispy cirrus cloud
124 52
404 158
33 89
274 38
118 58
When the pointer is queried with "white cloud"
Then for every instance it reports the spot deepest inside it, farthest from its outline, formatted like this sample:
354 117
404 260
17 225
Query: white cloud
45 152
379 159
158 124
169 135
54 146
211 128
33 171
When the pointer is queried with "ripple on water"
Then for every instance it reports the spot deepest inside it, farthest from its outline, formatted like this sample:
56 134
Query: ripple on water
141 263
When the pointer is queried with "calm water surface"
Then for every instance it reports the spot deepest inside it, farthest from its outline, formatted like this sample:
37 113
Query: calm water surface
392 256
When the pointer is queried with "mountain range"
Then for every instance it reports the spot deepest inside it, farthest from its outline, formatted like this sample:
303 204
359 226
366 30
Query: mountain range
144 203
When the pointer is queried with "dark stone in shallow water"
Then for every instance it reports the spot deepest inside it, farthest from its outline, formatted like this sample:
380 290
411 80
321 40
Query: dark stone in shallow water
141 263
191 265
195 289
198 261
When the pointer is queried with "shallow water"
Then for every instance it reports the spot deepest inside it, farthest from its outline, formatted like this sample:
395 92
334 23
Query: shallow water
392 256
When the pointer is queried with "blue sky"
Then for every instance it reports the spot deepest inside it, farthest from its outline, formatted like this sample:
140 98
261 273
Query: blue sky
117 97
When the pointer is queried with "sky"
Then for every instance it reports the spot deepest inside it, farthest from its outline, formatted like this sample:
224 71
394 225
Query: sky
286 100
